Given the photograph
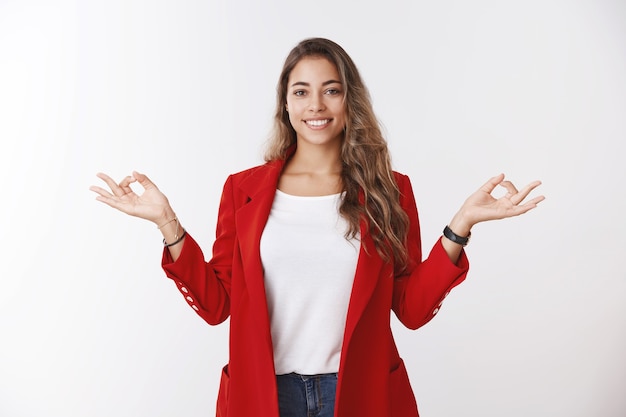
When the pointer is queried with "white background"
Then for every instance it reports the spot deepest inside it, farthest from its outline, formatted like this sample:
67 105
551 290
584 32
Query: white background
184 91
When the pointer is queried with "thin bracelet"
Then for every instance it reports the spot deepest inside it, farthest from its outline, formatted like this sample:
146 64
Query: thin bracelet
460 240
177 228
167 222
177 241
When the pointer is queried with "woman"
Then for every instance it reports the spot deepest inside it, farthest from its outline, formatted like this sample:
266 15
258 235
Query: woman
313 251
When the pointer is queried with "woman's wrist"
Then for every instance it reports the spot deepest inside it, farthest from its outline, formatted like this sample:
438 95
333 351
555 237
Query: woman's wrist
460 225
166 217
173 232
170 227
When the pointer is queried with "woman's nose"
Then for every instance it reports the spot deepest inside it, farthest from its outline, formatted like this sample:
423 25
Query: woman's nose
316 104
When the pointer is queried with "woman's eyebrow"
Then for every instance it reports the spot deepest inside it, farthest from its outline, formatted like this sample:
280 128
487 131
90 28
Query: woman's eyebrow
307 84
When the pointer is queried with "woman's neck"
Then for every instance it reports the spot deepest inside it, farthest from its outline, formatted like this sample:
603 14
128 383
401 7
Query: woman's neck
312 171
309 159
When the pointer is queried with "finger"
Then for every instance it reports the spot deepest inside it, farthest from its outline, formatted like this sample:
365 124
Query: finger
127 180
510 188
490 185
521 195
113 202
143 180
523 208
115 189
101 191
535 201
125 184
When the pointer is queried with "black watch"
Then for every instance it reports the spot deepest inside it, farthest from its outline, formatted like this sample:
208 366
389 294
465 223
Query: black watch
448 233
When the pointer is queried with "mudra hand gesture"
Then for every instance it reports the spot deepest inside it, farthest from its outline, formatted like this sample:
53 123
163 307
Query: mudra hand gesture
482 206
151 205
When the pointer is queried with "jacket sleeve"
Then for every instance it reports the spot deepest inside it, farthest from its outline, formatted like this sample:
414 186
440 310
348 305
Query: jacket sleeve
206 285
420 290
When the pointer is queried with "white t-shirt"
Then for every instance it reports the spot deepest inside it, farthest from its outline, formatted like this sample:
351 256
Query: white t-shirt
309 269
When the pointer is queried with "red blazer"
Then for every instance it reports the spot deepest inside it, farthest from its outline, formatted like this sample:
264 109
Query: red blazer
372 379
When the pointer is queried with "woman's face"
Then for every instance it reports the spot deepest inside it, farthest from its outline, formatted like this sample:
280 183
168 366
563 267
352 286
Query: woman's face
315 102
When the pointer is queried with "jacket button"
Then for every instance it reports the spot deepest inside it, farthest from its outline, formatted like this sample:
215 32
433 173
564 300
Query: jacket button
189 299
185 290
195 307
435 311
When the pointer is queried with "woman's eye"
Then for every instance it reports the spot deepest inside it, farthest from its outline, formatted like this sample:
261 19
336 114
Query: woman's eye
299 93
332 91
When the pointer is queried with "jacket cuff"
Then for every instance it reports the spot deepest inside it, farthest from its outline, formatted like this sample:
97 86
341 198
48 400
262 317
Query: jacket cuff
176 269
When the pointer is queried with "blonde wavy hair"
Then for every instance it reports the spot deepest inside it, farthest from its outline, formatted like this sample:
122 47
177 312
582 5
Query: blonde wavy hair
367 178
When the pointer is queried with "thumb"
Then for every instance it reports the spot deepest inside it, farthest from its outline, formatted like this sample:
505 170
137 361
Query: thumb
143 180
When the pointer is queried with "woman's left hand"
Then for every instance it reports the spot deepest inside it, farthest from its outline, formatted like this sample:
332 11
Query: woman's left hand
482 206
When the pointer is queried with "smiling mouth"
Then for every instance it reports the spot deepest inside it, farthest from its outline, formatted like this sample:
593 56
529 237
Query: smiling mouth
317 123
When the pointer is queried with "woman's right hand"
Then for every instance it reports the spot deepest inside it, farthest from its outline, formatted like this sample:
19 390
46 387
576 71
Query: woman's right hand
151 205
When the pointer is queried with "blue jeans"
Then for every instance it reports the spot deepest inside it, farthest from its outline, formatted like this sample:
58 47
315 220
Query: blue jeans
306 395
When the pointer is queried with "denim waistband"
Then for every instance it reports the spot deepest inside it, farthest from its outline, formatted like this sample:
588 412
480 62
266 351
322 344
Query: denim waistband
306 377
306 395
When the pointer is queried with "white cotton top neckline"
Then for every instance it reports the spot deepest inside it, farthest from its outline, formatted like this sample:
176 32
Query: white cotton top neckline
308 197
309 269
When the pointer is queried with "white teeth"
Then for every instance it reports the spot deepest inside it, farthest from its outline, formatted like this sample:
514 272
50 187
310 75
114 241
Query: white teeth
317 122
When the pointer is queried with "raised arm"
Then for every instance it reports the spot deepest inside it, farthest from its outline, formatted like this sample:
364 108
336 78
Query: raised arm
205 286
419 292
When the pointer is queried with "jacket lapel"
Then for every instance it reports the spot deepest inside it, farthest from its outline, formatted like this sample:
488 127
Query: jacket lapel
365 280
260 188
